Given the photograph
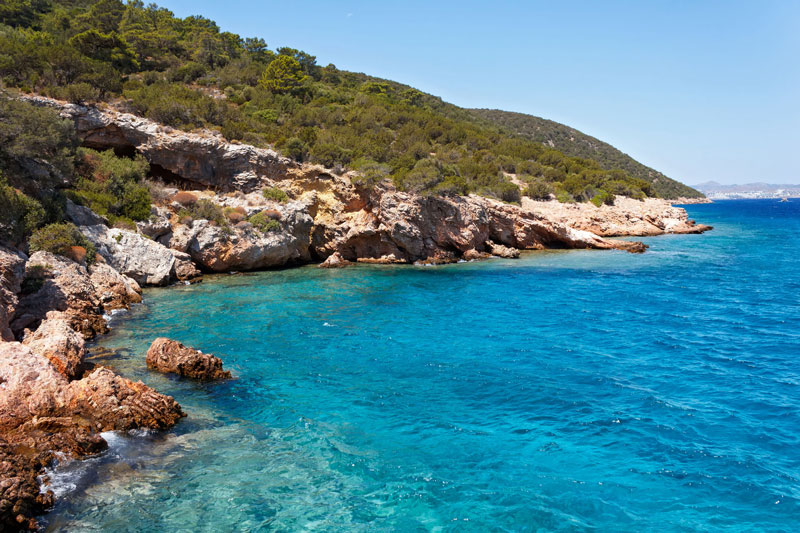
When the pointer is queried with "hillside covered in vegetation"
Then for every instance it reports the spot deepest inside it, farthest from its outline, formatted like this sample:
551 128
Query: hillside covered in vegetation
189 74
577 144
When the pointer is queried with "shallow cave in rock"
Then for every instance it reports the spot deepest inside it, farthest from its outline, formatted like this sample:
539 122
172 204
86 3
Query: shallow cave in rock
166 176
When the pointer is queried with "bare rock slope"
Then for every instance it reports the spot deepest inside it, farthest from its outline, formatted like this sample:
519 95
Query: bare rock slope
332 215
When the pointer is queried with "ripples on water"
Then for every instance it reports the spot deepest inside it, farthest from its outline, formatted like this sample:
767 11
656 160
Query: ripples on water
563 391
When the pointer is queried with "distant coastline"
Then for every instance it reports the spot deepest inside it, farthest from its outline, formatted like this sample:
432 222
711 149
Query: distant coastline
748 191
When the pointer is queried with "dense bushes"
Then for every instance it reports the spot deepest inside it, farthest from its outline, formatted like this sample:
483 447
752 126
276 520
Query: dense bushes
538 189
275 194
264 222
113 186
36 145
204 209
63 239
19 214
187 73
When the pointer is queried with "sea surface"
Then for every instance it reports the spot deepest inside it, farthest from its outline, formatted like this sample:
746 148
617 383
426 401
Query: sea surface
564 391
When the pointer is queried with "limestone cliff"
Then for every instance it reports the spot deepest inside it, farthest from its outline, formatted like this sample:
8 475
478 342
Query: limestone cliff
328 213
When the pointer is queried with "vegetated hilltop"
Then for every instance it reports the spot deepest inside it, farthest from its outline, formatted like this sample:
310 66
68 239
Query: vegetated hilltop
577 144
188 74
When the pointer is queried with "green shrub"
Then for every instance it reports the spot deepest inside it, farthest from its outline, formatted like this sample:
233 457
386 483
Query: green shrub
19 214
330 155
34 278
81 93
602 197
275 194
370 173
29 133
538 190
508 192
296 149
205 209
113 186
283 75
60 239
564 197
264 222
235 214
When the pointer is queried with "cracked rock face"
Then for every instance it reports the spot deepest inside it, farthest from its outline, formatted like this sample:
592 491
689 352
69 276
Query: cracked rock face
244 247
57 342
204 159
132 254
12 272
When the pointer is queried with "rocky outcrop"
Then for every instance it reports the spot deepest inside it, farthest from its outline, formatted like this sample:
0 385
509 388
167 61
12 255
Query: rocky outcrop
401 227
55 283
627 217
204 159
335 260
57 342
157 226
115 290
12 272
59 284
43 415
112 402
381 225
83 216
169 356
245 247
185 269
132 254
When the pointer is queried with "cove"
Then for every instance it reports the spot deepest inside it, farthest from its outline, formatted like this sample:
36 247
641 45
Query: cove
562 391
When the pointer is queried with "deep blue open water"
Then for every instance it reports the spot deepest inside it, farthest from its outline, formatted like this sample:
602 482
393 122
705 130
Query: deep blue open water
565 391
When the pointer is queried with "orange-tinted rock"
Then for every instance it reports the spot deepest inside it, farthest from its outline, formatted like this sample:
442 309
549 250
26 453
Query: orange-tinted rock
168 356
57 342
42 414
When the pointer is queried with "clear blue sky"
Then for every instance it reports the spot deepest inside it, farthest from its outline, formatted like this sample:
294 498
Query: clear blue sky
699 90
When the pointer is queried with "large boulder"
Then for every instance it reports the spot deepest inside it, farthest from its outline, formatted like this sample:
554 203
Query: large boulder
132 254
245 247
32 387
57 342
12 272
169 356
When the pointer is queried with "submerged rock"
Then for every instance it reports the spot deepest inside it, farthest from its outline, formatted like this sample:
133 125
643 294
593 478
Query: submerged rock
169 356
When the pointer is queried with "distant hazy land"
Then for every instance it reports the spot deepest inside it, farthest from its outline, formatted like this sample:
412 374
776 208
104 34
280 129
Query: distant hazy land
718 191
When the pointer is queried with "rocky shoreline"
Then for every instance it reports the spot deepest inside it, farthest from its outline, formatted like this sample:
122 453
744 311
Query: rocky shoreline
54 405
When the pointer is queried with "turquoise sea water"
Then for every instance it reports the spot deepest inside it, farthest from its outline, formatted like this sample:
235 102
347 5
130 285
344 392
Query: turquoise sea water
570 390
